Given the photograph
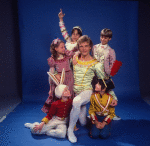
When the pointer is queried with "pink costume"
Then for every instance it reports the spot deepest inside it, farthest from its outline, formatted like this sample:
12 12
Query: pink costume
106 55
59 65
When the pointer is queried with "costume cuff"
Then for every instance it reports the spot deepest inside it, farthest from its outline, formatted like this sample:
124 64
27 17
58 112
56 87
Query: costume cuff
45 120
93 118
107 120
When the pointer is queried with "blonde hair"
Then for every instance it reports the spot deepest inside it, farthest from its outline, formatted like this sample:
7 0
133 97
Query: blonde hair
85 38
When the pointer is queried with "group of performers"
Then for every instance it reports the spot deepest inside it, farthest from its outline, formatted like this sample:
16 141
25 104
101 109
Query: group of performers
80 73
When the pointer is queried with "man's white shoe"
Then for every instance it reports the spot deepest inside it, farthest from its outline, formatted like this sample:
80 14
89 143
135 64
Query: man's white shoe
72 138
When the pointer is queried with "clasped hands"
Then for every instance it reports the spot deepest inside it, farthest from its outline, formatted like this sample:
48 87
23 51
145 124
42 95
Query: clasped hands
100 125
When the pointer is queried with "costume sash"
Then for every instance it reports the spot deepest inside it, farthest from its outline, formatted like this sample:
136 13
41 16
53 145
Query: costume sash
104 108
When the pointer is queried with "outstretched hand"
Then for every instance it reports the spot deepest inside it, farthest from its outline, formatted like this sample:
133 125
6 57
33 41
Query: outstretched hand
61 15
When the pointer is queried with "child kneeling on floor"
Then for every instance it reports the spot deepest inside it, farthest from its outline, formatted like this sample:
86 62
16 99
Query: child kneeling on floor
54 124
101 108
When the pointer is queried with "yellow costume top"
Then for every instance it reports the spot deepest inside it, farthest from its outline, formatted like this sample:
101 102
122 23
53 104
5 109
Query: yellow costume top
101 106
84 72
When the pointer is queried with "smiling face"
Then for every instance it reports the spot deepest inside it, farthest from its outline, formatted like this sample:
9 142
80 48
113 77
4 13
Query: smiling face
66 94
104 39
75 35
60 49
84 48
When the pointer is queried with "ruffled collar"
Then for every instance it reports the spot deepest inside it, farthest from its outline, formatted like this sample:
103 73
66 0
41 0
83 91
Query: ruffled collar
103 46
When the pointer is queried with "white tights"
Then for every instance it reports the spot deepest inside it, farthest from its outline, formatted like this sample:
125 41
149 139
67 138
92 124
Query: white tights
78 111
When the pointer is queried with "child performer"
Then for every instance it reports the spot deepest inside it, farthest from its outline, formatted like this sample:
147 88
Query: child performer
71 42
101 108
60 59
54 124
106 55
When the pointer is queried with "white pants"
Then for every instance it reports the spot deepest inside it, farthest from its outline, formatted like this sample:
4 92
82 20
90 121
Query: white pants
55 127
79 109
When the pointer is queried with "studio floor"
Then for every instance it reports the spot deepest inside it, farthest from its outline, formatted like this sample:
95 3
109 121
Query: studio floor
132 130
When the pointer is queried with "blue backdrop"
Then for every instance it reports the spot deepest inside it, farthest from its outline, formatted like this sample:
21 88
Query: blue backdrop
38 24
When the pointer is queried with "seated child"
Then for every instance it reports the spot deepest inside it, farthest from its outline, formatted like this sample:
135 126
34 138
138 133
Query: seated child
54 124
101 108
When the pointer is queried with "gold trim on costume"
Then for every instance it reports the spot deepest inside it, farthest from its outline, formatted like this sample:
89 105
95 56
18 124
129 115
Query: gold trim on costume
89 63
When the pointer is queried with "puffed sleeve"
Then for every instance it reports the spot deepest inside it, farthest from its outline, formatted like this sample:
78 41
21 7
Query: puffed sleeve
51 62
99 70
64 31
112 93
94 52
109 60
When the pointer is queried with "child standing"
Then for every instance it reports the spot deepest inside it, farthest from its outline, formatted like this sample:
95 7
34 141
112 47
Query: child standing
101 108
54 124
60 59
76 33
106 55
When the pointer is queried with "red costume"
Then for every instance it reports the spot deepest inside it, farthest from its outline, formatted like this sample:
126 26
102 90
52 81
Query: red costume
60 109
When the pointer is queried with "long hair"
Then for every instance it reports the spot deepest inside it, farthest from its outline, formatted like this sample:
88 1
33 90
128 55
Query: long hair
53 46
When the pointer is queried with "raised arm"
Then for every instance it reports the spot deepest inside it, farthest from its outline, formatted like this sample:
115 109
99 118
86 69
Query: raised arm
62 27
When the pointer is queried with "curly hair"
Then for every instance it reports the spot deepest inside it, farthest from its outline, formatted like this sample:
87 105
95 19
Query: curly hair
52 48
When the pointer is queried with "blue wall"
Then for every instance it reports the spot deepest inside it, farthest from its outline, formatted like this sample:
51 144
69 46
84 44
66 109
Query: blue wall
38 24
